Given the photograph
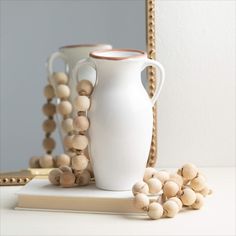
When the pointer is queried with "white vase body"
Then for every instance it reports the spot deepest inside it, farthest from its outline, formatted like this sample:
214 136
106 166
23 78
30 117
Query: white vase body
121 118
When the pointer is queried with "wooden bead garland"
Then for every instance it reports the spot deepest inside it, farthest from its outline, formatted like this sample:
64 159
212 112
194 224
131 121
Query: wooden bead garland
76 140
49 126
185 188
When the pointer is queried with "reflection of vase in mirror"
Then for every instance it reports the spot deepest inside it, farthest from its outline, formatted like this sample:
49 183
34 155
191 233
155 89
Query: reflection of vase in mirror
70 55
120 117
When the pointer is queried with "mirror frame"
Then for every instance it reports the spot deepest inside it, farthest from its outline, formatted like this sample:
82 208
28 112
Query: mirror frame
24 176
151 74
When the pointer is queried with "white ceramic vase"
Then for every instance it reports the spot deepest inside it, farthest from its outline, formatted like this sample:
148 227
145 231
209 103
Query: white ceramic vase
121 117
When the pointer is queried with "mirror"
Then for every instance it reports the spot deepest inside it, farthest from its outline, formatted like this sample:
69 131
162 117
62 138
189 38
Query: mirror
30 32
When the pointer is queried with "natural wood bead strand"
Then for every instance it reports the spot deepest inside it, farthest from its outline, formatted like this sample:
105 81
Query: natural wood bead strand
49 126
75 141
172 190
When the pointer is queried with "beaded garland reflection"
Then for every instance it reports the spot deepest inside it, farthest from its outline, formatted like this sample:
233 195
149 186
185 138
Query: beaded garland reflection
185 188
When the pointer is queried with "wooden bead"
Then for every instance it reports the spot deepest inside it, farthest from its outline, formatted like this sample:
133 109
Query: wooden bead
65 169
162 176
205 191
64 108
62 91
49 91
140 187
149 173
49 144
155 211
189 171
154 185
67 179
171 208
85 87
67 125
178 201
70 153
177 179
199 202
49 126
79 162
34 162
81 123
83 179
46 161
82 103
68 141
54 176
62 160
80 142
60 78
198 183
188 197
49 109
170 189
141 201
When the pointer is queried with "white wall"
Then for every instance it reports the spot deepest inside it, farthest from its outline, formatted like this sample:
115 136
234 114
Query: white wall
196 45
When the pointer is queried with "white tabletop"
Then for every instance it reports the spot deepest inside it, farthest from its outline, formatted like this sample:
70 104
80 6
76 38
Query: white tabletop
216 218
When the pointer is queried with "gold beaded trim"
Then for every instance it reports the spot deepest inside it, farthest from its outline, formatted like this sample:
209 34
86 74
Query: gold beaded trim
151 74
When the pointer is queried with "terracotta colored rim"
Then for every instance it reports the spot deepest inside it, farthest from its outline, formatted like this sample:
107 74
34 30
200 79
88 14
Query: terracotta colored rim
140 54
84 45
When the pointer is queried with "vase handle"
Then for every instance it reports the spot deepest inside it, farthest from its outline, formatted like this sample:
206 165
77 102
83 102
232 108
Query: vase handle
50 62
149 62
83 62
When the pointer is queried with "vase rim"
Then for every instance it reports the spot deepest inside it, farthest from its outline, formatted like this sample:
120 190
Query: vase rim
85 45
118 54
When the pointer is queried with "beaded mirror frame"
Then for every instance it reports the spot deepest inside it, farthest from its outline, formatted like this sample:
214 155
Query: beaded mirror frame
24 176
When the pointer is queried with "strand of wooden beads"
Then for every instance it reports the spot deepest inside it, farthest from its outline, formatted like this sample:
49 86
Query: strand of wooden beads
49 125
64 108
80 171
170 192
81 124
